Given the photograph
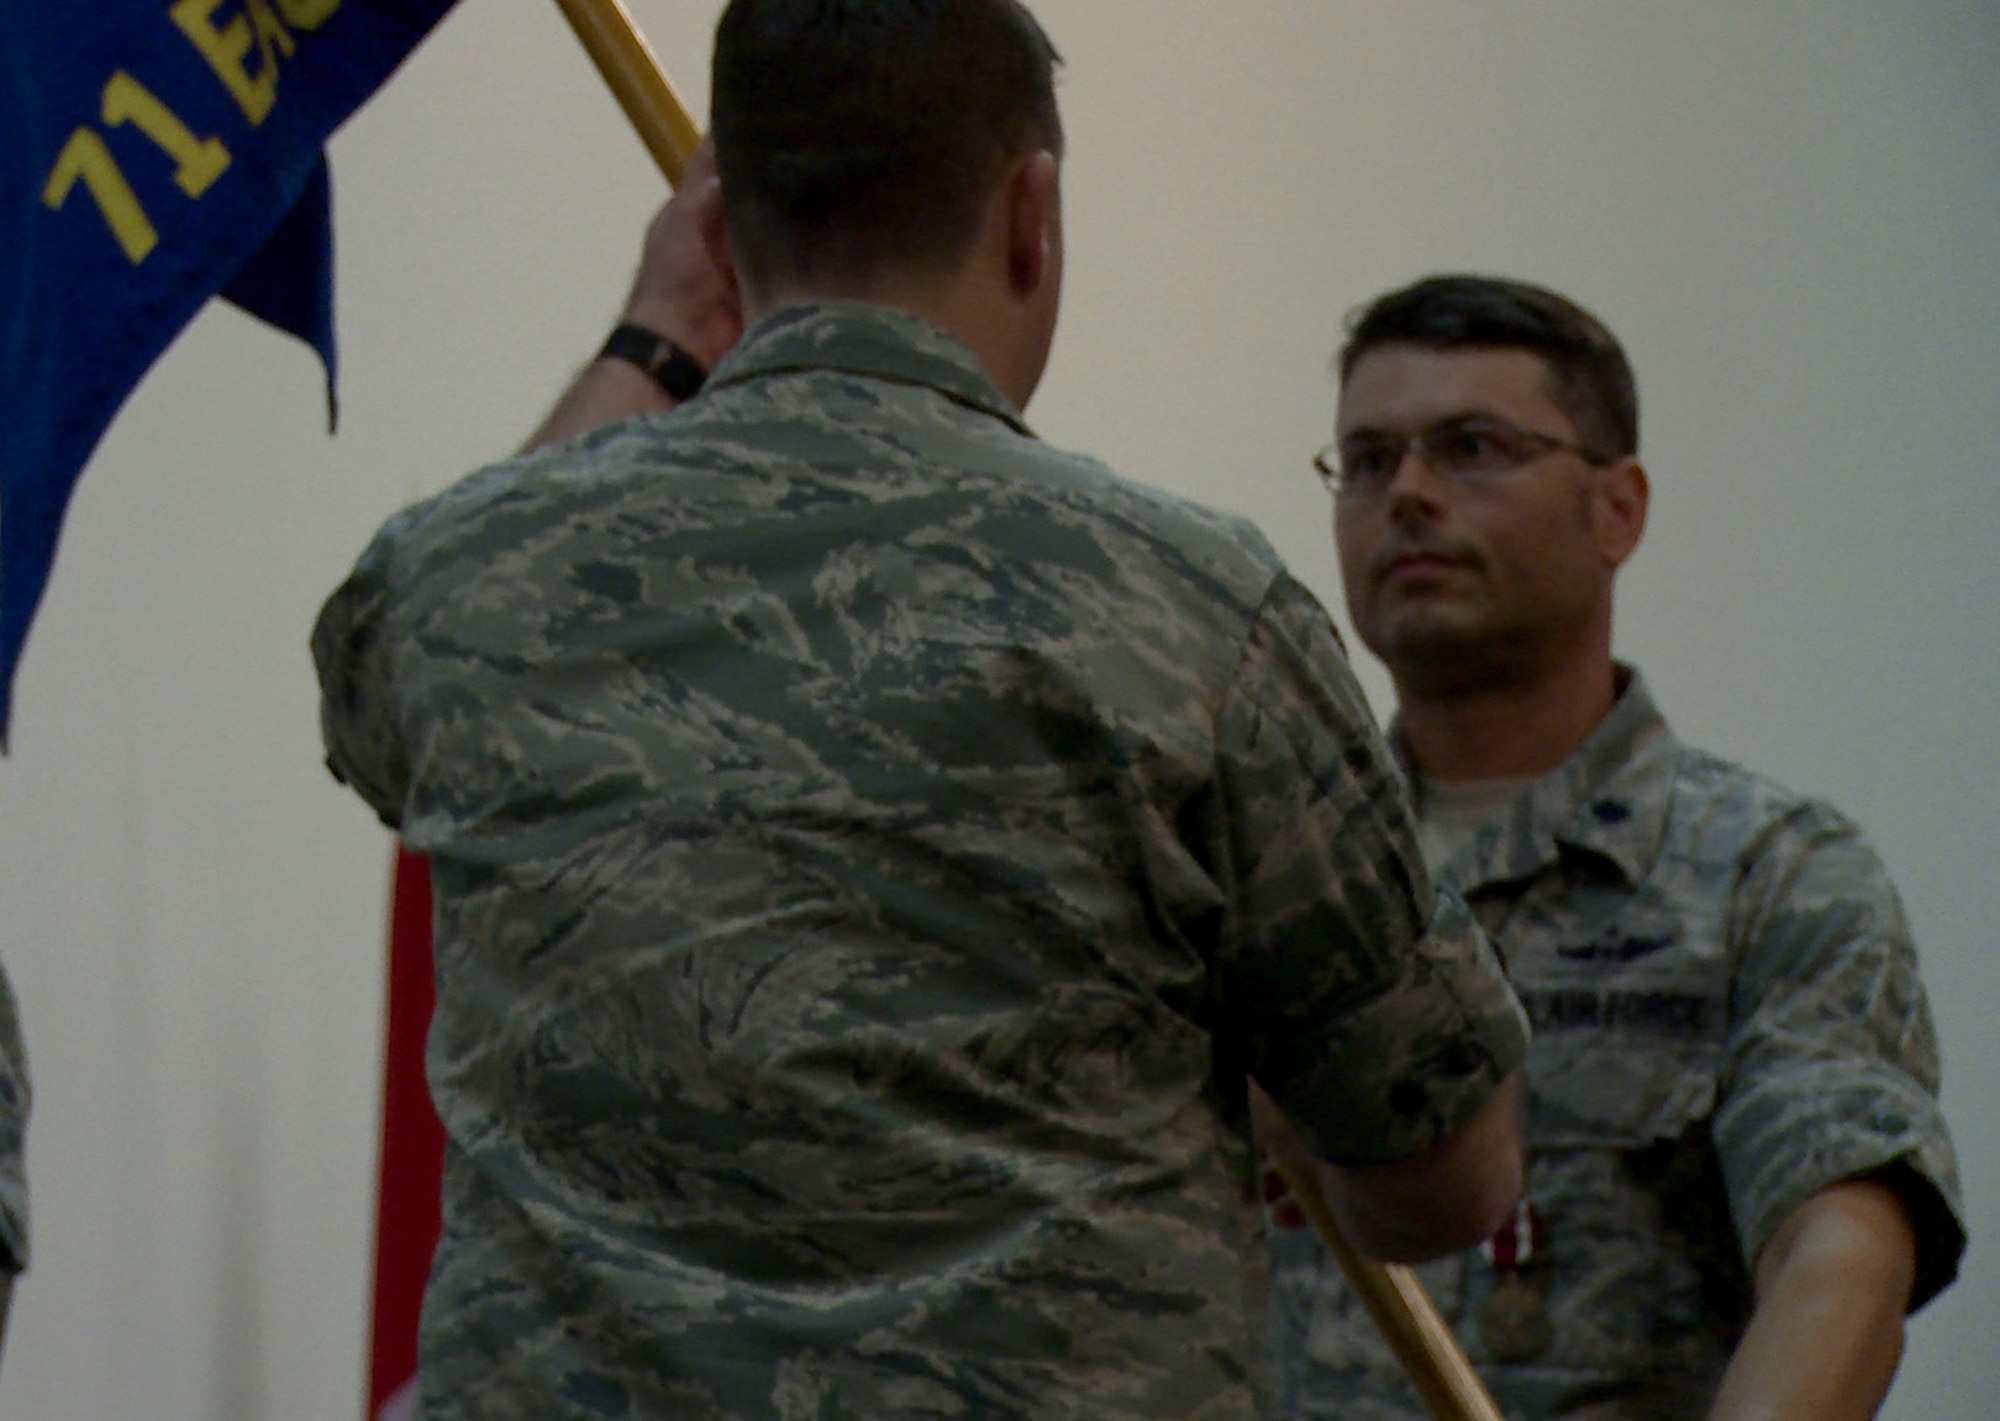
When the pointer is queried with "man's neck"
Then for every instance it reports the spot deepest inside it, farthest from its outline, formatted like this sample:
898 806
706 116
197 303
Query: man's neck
953 308
1516 731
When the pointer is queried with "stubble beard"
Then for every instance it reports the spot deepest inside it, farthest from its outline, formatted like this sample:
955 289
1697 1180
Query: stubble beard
1442 651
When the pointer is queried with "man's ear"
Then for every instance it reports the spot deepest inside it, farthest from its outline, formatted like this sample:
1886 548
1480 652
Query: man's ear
1623 495
1033 209
711 219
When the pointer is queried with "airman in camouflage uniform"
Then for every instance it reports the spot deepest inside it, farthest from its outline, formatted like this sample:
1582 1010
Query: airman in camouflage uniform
871 850
1727 1018
14 1099
1740 1179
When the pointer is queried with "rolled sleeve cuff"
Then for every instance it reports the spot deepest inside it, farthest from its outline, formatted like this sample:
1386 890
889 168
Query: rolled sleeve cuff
1433 1048
1780 1149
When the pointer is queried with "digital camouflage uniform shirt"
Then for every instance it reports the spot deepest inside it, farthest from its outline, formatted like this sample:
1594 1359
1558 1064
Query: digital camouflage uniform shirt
1727 1017
870 849
14 1100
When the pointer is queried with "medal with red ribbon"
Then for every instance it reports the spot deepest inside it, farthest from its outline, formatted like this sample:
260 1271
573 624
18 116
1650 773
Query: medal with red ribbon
1514 1317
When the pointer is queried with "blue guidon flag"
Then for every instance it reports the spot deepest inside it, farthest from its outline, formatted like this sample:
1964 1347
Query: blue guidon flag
153 153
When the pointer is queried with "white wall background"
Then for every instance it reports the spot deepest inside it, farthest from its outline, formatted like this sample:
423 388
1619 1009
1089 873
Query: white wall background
1790 212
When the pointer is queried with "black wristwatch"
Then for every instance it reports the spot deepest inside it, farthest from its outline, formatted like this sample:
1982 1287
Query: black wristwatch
672 368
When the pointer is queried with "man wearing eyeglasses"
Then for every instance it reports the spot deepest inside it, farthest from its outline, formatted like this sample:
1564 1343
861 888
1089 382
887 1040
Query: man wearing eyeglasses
1740 1180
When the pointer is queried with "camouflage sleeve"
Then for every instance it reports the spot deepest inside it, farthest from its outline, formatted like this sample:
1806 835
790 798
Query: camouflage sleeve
351 653
15 1096
1371 1006
1832 1067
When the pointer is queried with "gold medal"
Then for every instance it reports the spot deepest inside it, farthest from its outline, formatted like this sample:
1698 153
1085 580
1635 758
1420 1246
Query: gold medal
1514 1317
1514 1320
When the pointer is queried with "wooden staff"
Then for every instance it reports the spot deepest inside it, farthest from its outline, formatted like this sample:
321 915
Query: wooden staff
1402 1310
1393 1296
637 81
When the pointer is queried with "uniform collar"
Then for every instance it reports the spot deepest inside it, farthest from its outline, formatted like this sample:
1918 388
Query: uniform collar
1609 799
860 338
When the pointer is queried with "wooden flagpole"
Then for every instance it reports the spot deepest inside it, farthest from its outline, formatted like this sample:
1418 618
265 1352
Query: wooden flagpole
1402 1310
1393 1296
637 81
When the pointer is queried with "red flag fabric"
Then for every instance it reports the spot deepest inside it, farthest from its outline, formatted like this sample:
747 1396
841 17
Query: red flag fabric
408 1190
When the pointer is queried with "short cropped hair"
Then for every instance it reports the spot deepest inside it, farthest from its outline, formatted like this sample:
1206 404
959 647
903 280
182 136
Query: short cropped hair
851 134
1590 378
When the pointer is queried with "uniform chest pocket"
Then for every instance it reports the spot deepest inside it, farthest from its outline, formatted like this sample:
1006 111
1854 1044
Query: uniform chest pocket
1630 1018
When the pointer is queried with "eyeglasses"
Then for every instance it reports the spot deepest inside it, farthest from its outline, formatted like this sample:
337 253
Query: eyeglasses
1468 449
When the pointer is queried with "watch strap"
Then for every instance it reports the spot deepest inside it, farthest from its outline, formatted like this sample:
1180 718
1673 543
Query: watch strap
671 367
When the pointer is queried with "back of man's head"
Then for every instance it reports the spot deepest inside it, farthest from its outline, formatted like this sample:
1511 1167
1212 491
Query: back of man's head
855 137
1590 378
